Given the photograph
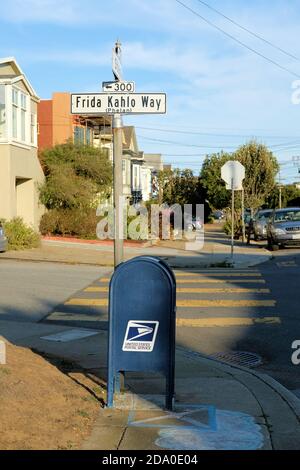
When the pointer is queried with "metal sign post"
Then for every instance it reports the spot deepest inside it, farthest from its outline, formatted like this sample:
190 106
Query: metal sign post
232 219
233 173
118 98
118 190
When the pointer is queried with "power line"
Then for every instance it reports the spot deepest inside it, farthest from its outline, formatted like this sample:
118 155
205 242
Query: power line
183 144
249 31
176 131
213 25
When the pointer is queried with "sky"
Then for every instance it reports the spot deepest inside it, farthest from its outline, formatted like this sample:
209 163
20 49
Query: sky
220 93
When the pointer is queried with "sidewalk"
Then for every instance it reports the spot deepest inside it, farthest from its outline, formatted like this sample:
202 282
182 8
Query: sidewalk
217 406
216 252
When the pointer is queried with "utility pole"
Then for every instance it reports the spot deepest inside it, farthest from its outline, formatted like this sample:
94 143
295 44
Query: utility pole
280 197
280 190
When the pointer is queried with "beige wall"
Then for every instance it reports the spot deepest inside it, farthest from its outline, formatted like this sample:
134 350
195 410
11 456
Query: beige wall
20 175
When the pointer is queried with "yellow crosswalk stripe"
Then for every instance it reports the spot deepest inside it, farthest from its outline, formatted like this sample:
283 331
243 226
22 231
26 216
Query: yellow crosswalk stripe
192 303
196 290
210 281
220 281
88 302
237 290
225 322
96 289
214 274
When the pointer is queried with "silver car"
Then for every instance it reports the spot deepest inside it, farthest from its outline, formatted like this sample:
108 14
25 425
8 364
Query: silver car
3 239
260 223
284 228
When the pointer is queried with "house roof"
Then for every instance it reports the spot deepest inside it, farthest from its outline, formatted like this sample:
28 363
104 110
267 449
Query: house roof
129 139
17 74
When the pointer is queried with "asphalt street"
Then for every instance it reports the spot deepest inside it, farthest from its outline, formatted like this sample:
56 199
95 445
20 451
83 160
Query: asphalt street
218 310
29 291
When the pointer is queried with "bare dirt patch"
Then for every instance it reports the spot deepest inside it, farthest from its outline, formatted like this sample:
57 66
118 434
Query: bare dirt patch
42 407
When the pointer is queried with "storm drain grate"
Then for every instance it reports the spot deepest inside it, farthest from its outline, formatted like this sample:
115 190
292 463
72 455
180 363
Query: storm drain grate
240 358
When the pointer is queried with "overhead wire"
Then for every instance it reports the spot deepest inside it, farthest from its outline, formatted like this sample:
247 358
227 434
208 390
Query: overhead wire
241 43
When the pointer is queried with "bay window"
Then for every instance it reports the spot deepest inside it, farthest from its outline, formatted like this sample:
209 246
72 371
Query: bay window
2 113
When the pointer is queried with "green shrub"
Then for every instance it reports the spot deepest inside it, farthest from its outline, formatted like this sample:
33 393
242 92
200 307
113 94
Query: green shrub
19 235
70 222
238 229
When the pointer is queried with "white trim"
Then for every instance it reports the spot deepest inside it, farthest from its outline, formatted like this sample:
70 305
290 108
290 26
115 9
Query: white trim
18 144
12 60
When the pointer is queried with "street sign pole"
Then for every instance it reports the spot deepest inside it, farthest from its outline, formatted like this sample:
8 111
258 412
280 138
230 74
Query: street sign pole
118 190
243 215
118 97
233 173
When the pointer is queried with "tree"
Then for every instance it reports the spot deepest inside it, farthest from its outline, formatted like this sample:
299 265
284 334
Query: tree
182 187
219 197
76 176
290 196
261 169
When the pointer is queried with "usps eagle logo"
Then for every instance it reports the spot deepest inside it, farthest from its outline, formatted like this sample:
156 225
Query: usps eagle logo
140 336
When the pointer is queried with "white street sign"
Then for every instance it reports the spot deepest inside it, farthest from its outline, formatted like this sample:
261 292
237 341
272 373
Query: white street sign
118 103
233 173
118 87
116 65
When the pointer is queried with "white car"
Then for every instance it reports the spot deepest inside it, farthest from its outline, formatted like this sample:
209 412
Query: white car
3 239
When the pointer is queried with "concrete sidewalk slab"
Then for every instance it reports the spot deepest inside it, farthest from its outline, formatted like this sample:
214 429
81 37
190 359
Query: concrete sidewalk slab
251 410
216 251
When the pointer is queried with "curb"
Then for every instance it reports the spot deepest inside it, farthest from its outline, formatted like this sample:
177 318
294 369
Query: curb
70 263
283 392
81 241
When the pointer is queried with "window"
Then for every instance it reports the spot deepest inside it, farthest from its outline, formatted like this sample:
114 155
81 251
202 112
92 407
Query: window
78 135
15 100
32 128
20 119
88 136
2 113
15 96
15 121
124 171
23 117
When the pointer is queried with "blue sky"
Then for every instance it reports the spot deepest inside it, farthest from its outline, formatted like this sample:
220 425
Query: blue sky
219 93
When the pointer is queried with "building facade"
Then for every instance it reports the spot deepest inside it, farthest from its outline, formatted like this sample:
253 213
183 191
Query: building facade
57 125
21 172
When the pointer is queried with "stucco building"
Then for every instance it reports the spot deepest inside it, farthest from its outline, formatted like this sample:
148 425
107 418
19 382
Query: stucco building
21 172
57 125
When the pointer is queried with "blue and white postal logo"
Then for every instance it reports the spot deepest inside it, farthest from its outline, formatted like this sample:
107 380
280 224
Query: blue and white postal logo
140 336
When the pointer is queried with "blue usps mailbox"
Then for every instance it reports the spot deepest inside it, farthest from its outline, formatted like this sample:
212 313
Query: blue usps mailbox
142 316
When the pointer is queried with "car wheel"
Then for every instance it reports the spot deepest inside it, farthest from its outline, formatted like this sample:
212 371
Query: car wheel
272 246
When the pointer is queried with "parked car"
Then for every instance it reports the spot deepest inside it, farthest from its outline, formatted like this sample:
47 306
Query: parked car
193 223
260 222
218 215
283 228
3 239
